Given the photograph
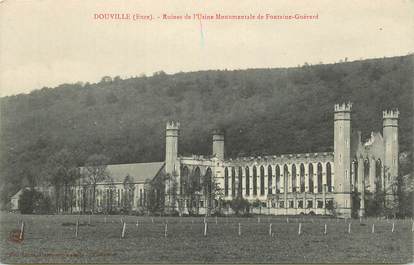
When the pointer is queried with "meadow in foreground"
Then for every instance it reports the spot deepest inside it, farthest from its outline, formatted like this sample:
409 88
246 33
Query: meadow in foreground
51 238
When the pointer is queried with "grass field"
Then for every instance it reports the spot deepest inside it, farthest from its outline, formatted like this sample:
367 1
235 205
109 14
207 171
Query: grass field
51 238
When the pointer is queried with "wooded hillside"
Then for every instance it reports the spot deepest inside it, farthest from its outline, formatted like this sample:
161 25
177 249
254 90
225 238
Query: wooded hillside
264 111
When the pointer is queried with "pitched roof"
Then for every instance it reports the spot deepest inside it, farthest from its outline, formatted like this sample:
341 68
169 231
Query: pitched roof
17 195
138 172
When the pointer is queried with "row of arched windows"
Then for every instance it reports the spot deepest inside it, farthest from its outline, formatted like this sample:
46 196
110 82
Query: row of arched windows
297 185
197 182
378 170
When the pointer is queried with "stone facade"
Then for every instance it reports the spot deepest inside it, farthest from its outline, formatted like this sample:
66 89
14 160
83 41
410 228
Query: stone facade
293 183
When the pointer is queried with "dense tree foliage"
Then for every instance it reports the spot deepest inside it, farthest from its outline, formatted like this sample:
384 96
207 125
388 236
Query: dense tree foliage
239 205
32 201
61 172
264 111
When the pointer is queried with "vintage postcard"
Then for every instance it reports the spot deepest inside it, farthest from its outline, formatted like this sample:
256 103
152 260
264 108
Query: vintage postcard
206 131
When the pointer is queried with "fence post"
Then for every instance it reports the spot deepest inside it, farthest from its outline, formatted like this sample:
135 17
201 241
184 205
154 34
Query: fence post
300 229
123 230
373 228
21 231
239 229
270 229
166 230
326 230
349 228
77 228
392 229
205 229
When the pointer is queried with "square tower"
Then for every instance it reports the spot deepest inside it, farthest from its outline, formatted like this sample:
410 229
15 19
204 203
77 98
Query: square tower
171 146
342 158
218 143
391 149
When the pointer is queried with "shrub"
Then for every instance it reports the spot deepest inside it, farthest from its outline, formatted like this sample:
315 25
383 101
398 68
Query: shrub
239 205
32 201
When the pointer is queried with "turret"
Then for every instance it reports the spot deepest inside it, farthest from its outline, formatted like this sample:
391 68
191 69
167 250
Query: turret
342 157
391 148
171 146
218 143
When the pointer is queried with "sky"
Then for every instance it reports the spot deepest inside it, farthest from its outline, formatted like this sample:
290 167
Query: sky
44 43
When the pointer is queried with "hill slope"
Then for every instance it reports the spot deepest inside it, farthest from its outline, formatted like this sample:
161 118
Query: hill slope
264 111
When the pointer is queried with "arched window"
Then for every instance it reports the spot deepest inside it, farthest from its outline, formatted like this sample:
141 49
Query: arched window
366 172
233 182
356 175
293 178
310 170
262 181
285 178
247 181
269 179
378 174
254 180
184 179
240 186
226 181
277 173
302 178
196 179
319 178
329 176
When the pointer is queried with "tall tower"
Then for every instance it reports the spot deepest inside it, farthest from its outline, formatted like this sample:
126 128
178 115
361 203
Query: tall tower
218 144
390 135
171 147
171 166
342 158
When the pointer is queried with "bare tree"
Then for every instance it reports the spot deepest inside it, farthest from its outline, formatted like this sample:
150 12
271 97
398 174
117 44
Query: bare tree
111 194
129 188
95 171
218 195
192 191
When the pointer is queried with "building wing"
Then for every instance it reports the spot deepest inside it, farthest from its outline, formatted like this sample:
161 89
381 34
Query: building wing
137 172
